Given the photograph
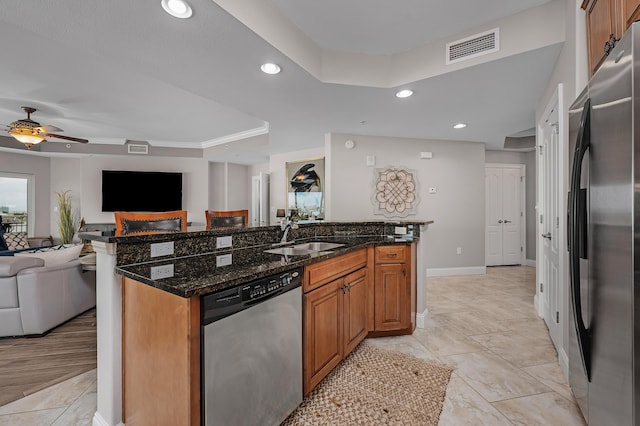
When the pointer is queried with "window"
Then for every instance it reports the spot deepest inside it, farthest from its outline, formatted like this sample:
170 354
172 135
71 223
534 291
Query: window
16 204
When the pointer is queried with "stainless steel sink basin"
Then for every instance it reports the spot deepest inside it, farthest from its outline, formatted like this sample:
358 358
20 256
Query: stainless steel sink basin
290 251
318 246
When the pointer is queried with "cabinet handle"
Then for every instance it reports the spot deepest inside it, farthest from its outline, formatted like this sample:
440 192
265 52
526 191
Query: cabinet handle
392 254
404 272
346 288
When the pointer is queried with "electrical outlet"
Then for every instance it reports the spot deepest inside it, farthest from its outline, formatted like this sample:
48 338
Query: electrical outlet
162 271
224 242
459 250
224 260
400 230
162 249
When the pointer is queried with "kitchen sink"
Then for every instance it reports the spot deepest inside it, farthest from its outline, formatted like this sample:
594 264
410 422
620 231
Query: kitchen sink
290 251
318 246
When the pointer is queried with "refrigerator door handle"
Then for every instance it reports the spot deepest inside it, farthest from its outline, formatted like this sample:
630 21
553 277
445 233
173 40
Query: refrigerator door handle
577 230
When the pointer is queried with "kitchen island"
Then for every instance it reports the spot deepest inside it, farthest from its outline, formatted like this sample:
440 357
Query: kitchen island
193 270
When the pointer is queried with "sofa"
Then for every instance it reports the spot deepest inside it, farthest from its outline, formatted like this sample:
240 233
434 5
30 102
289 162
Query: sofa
34 297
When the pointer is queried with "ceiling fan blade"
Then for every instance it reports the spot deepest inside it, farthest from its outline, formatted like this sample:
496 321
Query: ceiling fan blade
68 138
47 129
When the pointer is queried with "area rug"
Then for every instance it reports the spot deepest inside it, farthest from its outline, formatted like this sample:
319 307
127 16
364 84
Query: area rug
373 386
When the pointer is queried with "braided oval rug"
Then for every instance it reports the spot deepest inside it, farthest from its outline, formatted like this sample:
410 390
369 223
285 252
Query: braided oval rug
373 386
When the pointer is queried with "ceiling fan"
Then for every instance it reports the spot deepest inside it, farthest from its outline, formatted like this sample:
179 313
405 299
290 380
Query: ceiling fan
30 132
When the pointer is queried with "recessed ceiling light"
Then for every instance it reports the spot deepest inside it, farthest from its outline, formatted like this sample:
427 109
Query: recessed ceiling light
459 126
270 68
404 93
177 8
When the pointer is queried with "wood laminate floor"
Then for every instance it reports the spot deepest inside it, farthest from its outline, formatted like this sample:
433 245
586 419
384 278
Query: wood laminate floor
30 364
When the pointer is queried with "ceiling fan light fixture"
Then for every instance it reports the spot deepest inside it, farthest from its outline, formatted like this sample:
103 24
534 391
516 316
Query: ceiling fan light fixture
26 136
177 8
270 68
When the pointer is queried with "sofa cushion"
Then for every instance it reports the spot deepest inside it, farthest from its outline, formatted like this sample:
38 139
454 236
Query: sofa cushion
10 266
16 240
54 255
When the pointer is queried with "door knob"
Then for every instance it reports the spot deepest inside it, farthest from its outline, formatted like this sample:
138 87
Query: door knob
507 221
547 235
500 221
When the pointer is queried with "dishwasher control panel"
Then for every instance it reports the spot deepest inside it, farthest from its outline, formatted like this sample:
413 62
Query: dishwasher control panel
226 302
261 288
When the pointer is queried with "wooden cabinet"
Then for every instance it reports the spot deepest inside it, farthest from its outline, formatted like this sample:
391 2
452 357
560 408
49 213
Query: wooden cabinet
630 11
607 20
393 286
391 297
334 313
355 309
161 356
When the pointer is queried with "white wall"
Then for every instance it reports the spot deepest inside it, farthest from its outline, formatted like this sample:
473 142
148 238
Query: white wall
88 172
217 186
456 171
39 167
238 187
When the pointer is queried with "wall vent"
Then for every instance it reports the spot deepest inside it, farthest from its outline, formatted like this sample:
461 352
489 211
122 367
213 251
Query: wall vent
134 148
471 47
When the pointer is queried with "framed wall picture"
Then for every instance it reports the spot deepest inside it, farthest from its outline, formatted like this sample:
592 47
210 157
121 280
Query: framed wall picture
305 188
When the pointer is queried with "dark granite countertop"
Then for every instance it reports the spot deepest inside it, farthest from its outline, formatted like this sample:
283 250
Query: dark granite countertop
198 275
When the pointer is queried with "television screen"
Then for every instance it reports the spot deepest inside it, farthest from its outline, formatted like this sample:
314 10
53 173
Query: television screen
141 191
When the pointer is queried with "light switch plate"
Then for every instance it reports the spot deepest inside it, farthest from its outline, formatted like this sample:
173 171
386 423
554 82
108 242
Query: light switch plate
224 242
162 249
371 160
224 260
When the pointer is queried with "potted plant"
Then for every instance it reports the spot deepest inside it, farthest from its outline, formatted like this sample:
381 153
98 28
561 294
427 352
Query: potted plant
68 222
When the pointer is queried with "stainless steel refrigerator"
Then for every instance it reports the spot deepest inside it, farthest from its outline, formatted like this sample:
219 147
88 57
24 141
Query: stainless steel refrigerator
604 239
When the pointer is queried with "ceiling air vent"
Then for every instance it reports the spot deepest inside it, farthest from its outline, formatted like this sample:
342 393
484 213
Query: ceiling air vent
476 45
134 148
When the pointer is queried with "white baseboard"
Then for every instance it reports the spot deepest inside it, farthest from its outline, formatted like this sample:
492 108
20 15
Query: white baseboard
420 317
98 420
530 262
563 360
443 272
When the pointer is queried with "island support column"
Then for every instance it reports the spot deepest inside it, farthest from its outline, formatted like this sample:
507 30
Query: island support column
109 333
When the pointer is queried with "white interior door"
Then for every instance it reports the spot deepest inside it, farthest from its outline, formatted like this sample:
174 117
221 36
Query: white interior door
549 226
504 214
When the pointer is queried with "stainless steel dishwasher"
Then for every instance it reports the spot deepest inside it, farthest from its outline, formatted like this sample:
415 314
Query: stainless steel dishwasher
252 351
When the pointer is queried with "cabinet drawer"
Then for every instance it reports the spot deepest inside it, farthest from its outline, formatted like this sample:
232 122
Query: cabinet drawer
323 272
391 254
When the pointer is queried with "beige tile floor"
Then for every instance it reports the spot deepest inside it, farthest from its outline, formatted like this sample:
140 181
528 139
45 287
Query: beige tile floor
506 369
483 326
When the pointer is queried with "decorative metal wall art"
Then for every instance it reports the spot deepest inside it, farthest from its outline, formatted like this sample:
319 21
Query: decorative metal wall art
395 192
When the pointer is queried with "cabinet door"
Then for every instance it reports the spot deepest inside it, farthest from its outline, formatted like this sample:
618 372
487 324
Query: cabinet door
392 297
323 328
355 309
601 23
630 12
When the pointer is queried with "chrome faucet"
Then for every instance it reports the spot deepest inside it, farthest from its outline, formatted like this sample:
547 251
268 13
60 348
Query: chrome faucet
287 224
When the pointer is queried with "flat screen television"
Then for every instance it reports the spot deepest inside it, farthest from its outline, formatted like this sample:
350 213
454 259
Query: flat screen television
141 191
